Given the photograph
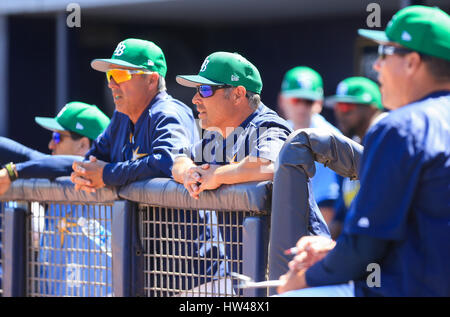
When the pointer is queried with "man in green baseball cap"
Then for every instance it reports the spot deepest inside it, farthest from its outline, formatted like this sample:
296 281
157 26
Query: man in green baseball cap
301 96
301 100
357 107
400 214
146 126
240 129
357 104
416 29
75 127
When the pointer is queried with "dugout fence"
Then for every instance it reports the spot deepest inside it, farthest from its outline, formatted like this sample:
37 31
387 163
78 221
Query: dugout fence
149 238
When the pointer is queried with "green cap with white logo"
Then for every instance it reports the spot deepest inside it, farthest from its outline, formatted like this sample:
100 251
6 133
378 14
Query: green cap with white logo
419 28
221 68
302 82
358 90
134 54
79 117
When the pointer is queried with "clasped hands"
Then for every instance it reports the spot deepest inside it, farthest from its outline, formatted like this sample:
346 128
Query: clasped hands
88 175
199 178
310 249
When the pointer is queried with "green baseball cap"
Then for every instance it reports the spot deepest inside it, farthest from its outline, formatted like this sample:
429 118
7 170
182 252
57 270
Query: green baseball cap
302 82
358 90
135 54
225 68
419 28
79 117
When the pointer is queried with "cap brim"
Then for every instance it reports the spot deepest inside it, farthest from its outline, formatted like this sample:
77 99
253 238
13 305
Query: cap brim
377 36
194 80
302 93
103 65
49 123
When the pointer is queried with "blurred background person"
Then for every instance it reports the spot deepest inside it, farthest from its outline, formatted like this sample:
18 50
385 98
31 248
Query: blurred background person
357 107
300 101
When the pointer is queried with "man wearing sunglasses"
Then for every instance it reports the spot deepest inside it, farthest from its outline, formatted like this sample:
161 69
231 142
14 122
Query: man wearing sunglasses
242 137
357 107
395 238
300 100
74 129
147 124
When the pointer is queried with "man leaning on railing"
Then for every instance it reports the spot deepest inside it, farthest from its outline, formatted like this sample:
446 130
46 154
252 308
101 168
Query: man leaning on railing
243 136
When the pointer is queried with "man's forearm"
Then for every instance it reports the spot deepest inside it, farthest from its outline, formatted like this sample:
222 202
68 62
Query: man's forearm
250 169
48 167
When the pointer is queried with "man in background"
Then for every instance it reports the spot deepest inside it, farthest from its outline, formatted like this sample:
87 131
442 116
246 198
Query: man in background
301 101
400 217
357 107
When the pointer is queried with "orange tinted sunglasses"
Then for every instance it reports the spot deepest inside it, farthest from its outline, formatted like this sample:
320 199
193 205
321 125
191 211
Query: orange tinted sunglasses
122 75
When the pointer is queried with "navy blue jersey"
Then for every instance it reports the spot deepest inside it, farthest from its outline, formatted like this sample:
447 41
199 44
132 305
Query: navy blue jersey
261 135
403 205
145 149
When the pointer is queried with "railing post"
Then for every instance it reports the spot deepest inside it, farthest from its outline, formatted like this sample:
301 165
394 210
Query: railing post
127 252
14 245
254 252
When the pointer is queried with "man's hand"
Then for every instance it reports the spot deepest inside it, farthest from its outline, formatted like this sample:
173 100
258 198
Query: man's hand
185 171
292 280
88 176
5 181
311 249
191 179
208 177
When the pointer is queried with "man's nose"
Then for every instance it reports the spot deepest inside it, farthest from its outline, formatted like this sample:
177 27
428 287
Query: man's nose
377 65
51 145
112 83
196 99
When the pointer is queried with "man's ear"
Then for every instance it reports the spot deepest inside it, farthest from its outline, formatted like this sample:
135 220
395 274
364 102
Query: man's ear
239 93
84 144
153 79
413 62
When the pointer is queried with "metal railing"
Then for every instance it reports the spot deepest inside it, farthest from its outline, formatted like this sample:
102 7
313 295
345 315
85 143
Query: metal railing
145 239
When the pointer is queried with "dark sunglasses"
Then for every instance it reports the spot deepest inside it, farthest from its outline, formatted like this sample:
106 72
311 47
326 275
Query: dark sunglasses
206 91
57 137
344 107
384 50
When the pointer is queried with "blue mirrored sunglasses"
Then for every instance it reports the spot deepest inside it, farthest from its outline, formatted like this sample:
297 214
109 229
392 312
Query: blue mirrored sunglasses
57 137
206 91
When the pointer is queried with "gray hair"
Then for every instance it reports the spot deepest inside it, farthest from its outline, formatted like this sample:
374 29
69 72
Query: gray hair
253 99
161 83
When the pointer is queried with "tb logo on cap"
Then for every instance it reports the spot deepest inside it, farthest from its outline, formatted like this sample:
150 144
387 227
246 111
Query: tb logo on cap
203 67
119 49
